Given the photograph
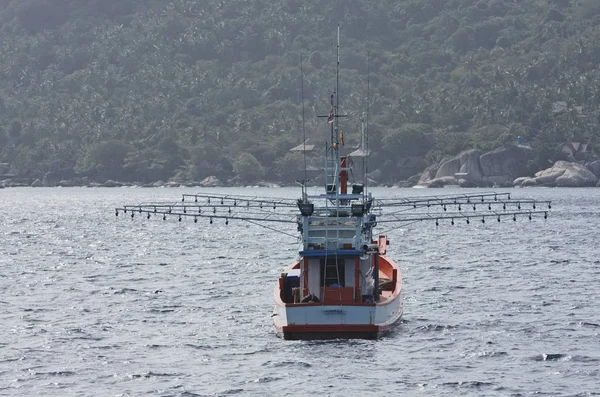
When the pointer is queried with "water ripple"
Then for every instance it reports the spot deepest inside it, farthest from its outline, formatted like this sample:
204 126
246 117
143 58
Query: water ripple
93 305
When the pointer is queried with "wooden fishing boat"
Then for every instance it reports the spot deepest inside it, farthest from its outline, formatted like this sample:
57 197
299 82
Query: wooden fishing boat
344 283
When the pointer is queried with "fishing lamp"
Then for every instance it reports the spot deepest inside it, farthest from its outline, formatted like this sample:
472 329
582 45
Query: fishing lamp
357 209
306 209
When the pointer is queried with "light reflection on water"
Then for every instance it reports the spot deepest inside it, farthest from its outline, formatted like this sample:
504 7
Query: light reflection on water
97 305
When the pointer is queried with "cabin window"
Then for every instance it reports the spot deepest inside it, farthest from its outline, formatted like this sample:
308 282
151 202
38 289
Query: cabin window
333 272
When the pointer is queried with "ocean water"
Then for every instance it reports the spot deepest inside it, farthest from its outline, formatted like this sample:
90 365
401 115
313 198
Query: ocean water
95 305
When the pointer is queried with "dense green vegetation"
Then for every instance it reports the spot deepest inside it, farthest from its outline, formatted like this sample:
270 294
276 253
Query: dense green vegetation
146 89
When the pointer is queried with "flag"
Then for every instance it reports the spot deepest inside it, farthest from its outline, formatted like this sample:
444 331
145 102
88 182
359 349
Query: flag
330 116
342 137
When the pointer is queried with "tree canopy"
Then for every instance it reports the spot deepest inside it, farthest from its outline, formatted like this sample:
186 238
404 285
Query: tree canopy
200 86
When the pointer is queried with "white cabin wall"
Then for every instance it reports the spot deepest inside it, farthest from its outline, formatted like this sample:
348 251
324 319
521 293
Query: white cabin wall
314 276
349 272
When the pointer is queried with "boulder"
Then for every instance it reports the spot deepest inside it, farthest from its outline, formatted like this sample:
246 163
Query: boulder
594 167
111 183
448 168
37 183
575 175
475 168
566 174
519 181
443 181
548 176
211 181
506 161
470 166
428 174
529 182
413 180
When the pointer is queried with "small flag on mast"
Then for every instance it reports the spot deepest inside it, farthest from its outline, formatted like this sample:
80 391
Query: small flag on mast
330 116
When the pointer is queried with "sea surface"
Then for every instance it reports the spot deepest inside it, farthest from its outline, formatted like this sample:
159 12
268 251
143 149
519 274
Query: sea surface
97 305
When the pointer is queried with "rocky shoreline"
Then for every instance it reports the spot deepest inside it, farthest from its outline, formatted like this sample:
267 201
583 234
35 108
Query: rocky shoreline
208 182
503 167
506 167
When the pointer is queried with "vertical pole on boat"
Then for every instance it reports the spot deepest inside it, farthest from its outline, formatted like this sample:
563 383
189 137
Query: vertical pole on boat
337 90
337 103
376 277
304 199
366 141
364 159
343 175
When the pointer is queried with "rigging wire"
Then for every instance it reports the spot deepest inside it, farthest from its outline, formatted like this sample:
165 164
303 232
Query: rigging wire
272 228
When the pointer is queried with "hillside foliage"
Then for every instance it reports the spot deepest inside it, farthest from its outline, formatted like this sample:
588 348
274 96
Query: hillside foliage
142 90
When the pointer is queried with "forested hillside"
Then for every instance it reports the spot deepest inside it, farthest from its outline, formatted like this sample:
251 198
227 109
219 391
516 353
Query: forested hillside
143 90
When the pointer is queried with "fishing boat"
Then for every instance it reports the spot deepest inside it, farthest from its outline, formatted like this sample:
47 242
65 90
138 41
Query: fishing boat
343 282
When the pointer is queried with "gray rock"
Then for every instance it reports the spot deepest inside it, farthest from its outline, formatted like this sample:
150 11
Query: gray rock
510 162
519 181
470 166
413 180
443 181
211 181
448 168
594 167
529 182
566 174
111 183
428 174
496 168
575 175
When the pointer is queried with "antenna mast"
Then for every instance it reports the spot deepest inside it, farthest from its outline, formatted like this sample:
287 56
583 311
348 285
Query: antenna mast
337 90
366 136
303 129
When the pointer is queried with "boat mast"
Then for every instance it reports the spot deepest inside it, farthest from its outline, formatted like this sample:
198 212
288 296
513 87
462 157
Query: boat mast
303 130
337 93
340 162
366 136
